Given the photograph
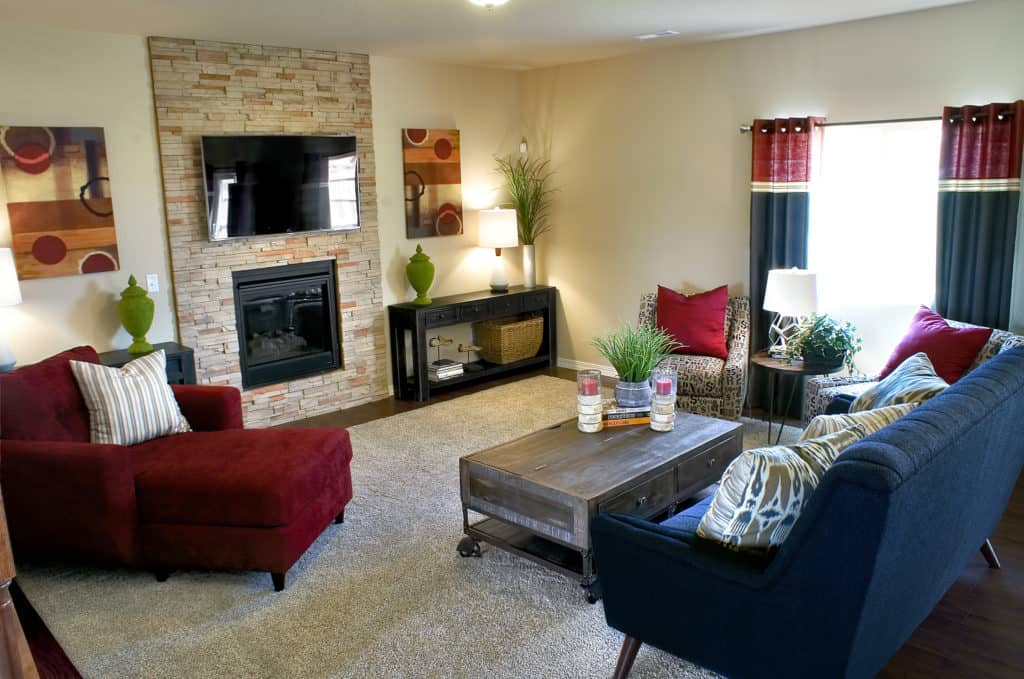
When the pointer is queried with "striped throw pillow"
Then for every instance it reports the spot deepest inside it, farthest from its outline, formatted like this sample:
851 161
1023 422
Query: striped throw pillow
871 420
129 405
913 381
763 491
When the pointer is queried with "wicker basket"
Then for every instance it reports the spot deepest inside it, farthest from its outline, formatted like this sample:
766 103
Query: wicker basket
507 340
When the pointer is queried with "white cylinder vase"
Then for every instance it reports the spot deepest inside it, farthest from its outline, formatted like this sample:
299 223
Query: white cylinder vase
529 267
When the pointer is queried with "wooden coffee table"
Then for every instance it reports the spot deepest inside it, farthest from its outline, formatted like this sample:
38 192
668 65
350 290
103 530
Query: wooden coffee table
540 492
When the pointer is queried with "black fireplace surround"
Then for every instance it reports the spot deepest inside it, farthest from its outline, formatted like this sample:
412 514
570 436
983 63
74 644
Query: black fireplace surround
287 319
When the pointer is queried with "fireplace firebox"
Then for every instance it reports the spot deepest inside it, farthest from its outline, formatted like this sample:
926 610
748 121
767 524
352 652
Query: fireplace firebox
287 319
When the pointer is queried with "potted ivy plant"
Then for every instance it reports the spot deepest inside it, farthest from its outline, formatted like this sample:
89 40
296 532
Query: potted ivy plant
528 184
824 342
634 351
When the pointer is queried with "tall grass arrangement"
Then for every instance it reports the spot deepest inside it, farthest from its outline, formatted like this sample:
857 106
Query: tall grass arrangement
528 184
634 351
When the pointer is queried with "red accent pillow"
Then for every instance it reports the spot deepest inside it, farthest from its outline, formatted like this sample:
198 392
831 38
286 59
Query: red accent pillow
951 350
697 321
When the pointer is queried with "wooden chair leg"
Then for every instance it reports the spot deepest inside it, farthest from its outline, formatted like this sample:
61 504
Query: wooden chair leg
989 552
278 579
340 518
627 655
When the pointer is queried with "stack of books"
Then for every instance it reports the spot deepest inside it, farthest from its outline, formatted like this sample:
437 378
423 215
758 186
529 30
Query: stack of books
444 369
614 416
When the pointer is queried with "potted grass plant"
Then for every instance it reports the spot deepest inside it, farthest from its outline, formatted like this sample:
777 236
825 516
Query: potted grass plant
824 342
528 183
634 351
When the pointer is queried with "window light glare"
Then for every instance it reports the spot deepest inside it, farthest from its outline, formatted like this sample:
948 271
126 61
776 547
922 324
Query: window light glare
488 4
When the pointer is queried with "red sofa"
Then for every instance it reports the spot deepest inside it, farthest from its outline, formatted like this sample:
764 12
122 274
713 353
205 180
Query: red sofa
221 497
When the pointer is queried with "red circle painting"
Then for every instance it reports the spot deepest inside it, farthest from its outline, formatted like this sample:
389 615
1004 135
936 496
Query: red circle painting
49 249
443 149
32 158
97 262
416 136
448 222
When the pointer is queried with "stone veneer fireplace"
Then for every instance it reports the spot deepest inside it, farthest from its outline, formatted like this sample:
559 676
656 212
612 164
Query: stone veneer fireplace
203 87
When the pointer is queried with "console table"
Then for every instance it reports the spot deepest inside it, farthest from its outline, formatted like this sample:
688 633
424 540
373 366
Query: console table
181 362
410 323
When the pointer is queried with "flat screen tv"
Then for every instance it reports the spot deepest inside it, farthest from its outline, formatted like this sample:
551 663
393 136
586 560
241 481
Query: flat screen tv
260 185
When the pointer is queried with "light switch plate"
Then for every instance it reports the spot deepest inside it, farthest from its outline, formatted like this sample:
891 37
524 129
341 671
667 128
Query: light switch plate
152 282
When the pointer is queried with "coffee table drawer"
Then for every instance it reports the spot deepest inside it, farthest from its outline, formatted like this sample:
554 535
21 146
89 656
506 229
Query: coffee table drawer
706 468
645 499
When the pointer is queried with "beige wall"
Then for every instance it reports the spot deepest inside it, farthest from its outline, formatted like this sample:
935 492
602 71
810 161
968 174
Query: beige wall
484 105
655 176
81 79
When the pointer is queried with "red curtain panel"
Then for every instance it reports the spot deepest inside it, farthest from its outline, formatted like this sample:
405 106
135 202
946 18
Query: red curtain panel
979 199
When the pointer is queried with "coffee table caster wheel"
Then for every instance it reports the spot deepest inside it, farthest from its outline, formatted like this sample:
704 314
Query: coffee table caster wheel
591 597
468 547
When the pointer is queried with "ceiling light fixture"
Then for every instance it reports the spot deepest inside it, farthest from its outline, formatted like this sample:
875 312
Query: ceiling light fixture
655 36
489 4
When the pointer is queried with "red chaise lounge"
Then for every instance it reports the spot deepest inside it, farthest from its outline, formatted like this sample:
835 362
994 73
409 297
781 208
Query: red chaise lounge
221 497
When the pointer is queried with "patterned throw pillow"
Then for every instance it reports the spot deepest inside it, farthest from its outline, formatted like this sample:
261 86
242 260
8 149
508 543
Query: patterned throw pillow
871 420
129 405
764 490
914 381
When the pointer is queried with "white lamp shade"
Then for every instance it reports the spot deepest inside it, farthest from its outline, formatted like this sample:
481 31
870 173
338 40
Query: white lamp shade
10 292
498 229
791 292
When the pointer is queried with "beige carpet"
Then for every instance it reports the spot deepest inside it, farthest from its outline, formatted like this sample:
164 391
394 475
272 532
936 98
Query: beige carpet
384 595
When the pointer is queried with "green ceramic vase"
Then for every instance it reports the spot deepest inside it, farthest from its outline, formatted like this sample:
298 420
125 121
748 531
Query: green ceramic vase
420 272
136 313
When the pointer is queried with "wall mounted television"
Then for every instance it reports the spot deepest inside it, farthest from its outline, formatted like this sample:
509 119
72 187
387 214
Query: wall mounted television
259 185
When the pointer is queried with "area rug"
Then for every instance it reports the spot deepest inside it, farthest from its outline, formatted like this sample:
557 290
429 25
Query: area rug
383 595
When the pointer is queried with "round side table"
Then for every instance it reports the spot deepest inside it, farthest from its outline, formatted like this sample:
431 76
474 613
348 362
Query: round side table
779 366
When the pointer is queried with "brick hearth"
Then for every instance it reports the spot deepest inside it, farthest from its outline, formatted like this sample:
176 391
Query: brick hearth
203 87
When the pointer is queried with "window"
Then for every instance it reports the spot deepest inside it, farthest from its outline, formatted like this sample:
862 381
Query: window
342 183
873 228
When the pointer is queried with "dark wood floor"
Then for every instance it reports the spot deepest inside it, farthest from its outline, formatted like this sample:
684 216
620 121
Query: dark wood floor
976 630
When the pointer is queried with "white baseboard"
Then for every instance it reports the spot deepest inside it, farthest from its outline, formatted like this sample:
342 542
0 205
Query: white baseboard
580 365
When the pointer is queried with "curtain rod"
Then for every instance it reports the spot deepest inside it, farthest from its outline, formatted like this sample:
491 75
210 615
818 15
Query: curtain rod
981 114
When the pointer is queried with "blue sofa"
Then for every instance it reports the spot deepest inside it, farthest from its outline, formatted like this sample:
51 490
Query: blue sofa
891 526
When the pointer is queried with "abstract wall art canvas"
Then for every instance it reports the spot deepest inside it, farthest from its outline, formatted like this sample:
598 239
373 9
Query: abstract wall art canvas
433 182
58 199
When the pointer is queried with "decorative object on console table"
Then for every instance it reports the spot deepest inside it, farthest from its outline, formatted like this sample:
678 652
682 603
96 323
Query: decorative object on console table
136 313
181 365
634 352
498 230
508 340
408 321
467 349
792 294
58 200
420 272
527 182
10 295
15 658
433 182
589 404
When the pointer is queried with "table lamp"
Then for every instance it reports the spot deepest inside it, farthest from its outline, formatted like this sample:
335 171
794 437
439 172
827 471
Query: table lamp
498 229
791 294
10 294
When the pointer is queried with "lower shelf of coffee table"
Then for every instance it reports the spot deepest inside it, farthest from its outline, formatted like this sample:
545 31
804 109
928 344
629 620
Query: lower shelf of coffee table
529 545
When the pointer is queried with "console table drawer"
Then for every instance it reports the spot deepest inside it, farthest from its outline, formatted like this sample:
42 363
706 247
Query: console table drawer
644 499
473 311
506 306
436 317
535 300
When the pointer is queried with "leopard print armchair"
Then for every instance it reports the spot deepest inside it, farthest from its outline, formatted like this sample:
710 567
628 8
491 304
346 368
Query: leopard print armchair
708 385
819 391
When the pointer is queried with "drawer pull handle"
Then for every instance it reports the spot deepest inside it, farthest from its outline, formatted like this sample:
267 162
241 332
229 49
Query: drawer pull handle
711 461
641 501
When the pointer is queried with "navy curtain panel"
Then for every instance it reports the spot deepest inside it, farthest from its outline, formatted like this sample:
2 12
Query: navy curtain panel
783 149
979 199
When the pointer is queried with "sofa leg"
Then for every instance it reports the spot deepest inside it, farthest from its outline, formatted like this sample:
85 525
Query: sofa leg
161 574
627 655
278 579
989 552
340 518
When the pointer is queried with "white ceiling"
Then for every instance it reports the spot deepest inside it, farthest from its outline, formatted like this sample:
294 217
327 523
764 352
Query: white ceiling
521 34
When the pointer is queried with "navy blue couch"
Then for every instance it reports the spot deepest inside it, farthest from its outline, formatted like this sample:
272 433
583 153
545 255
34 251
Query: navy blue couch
891 526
